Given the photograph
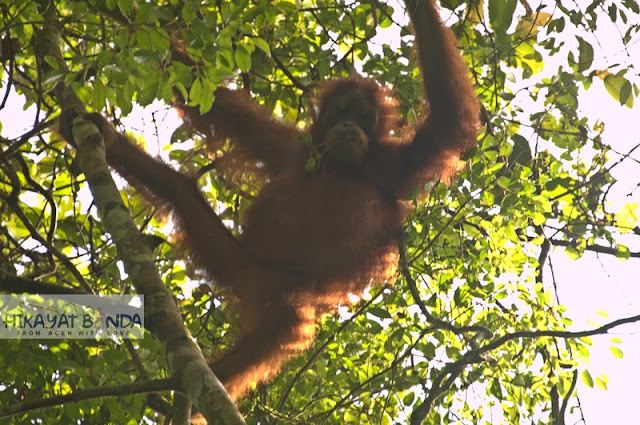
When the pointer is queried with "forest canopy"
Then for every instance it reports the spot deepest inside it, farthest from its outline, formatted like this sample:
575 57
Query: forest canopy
471 329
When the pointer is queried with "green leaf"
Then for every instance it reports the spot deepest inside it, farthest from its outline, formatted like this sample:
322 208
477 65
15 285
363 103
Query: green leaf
617 352
409 398
243 58
627 217
614 84
55 76
585 58
261 44
587 379
206 98
496 389
195 90
99 95
224 58
625 92
379 312
623 252
632 5
501 14
385 21
521 153
125 6
602 382
150 92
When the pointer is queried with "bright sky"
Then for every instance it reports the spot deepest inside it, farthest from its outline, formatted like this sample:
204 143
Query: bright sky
604 284
594 284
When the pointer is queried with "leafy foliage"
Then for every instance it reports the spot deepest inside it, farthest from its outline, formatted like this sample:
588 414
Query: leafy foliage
454 339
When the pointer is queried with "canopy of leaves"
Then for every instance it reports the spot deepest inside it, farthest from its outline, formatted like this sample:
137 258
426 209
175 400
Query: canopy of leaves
470 332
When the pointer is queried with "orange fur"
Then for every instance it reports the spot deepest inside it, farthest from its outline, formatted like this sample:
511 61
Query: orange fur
310 239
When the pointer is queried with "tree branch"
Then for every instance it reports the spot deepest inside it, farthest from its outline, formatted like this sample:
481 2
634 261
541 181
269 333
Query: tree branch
162 318
167 384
